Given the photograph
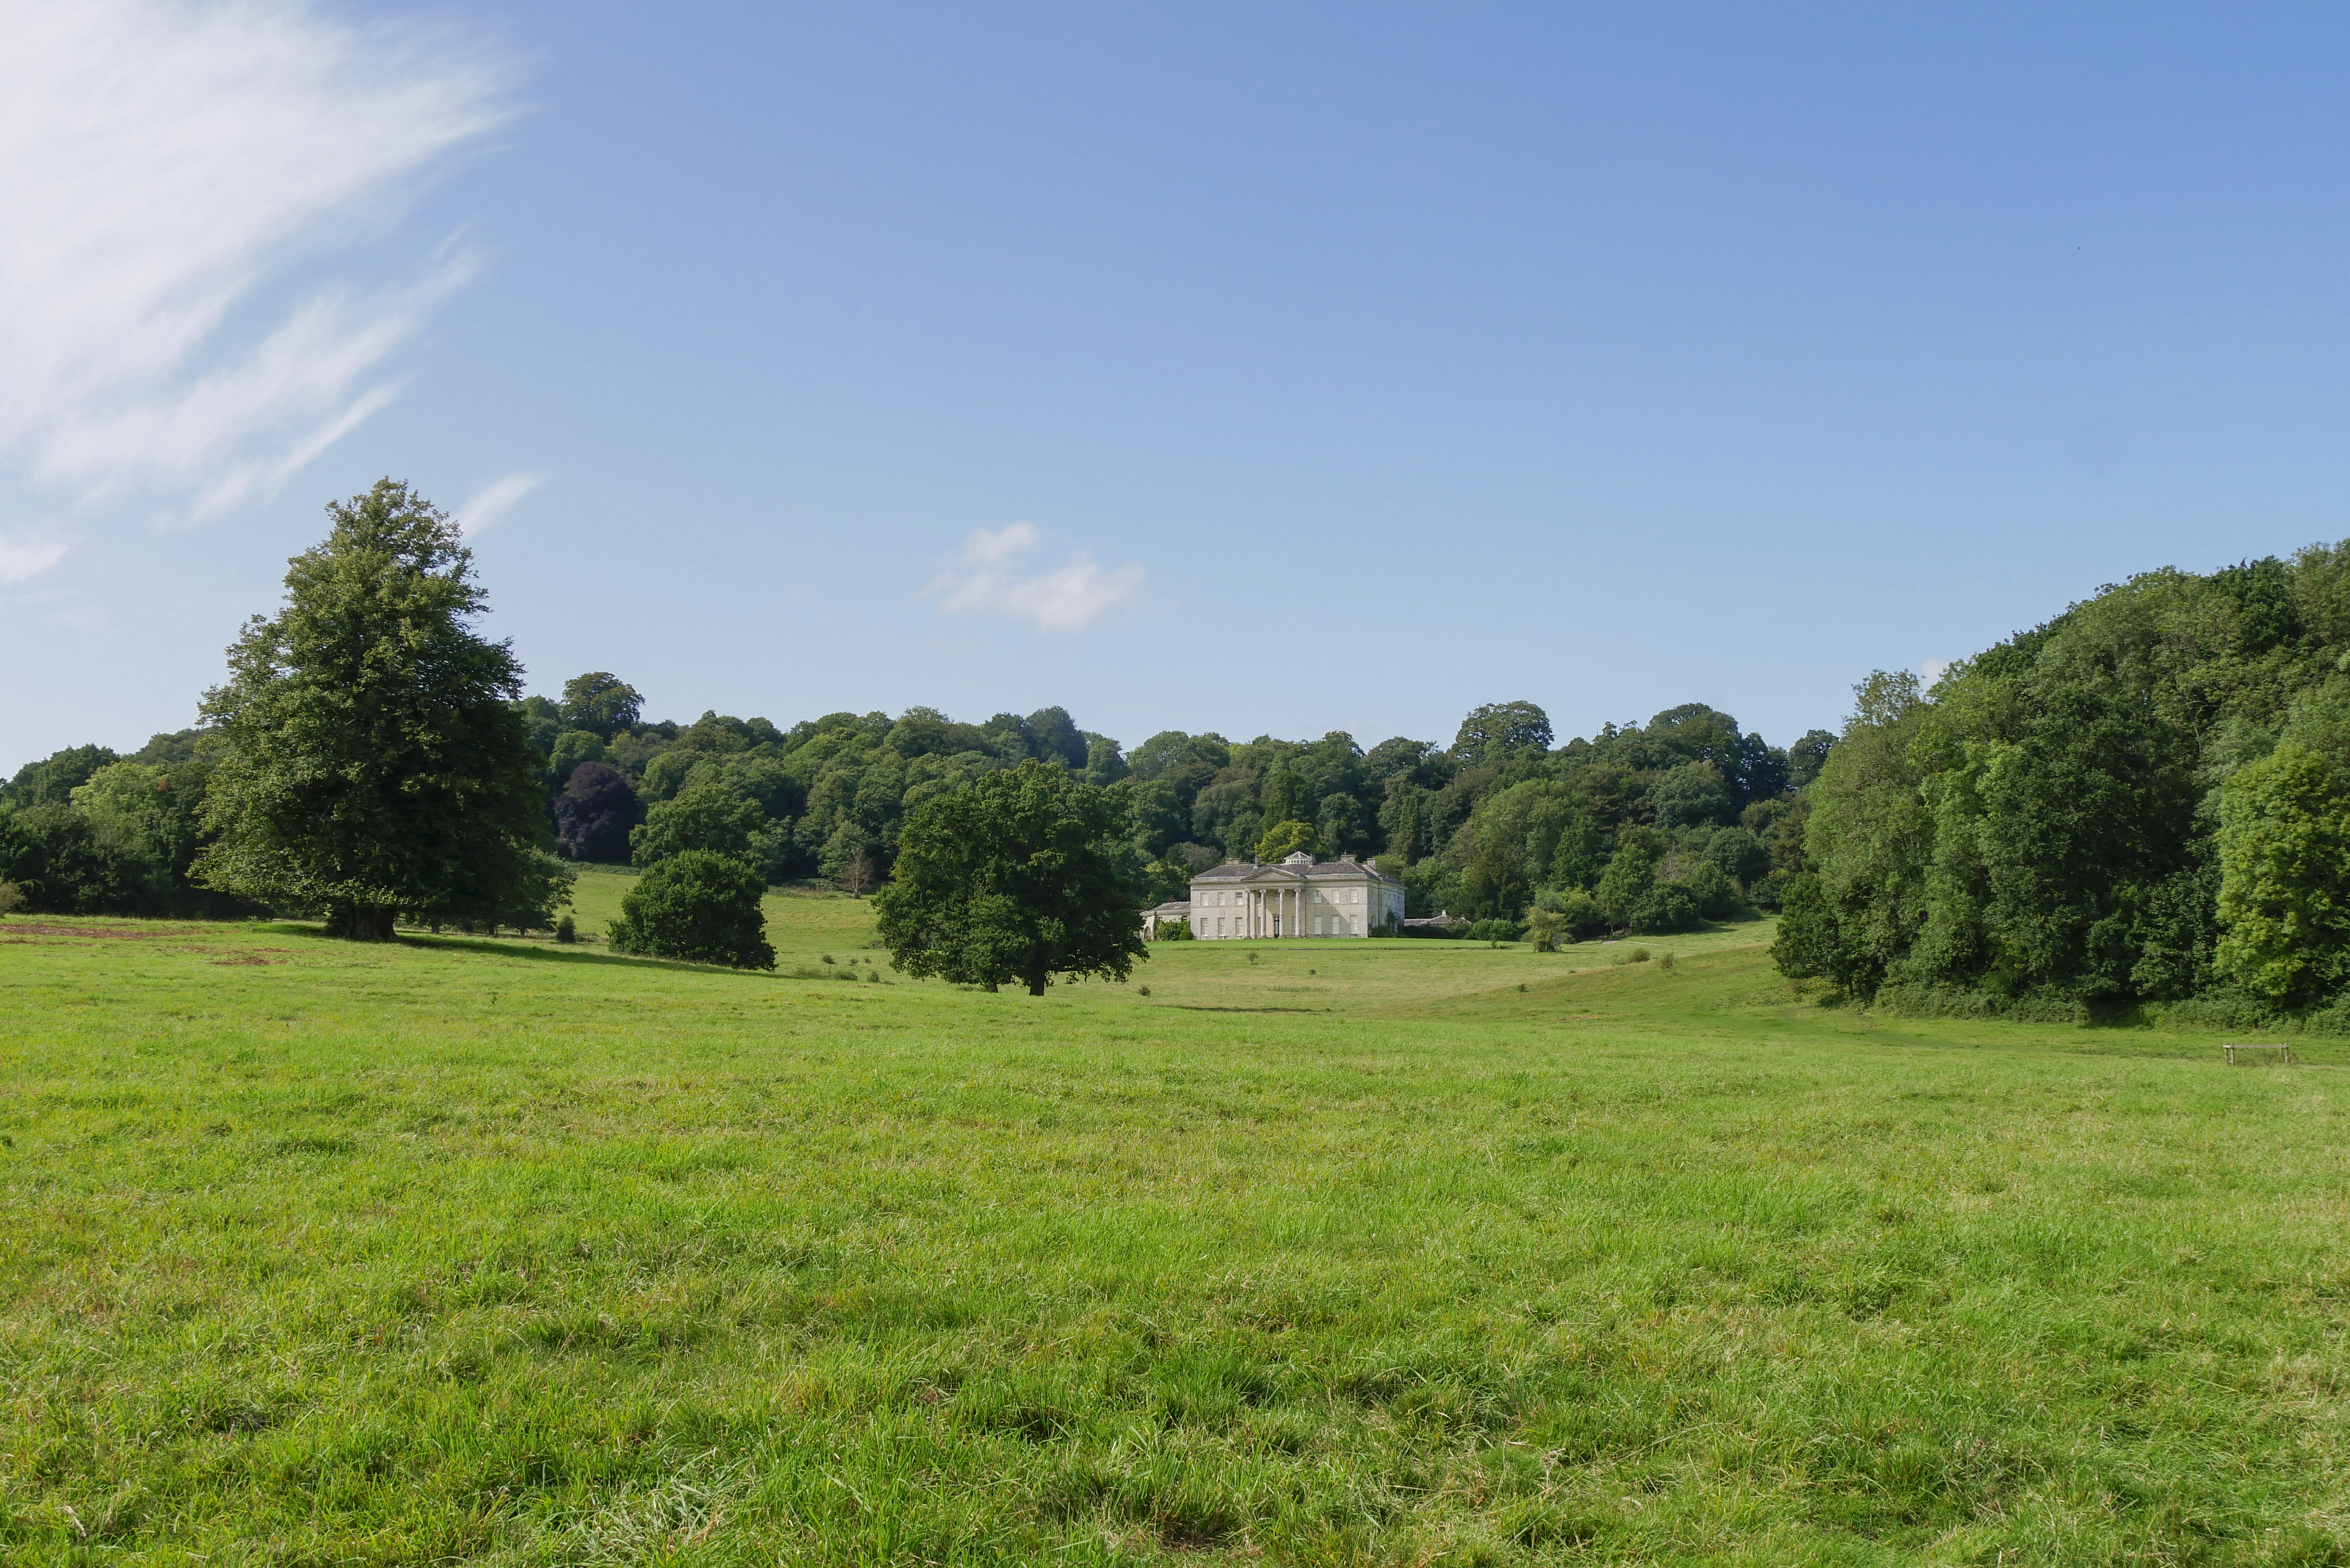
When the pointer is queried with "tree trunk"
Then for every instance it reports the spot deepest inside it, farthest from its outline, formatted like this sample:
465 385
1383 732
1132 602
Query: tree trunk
359 922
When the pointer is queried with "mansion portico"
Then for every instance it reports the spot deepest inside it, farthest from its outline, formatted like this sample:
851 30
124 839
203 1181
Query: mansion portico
1301 897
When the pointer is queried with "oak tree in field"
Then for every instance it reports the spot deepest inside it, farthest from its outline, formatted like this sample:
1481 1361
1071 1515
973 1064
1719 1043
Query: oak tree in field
1013 878
373 762
699 906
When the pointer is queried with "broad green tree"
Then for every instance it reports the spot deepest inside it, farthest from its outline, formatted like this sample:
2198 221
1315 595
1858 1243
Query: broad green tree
2284 876
699 906
1013 878
1497 731
705 816
372 761
601 703
1282 839
1631 875
571 748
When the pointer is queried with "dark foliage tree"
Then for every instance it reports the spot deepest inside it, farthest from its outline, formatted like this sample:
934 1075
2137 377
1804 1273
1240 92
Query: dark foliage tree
1054 737
1013 878
373 760
1284 797
1806 756
1340 824
594 814
698 907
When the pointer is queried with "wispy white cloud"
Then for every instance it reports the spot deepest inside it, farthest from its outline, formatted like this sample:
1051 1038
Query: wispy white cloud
1933 669
494 501
1066 598
27 554
163 164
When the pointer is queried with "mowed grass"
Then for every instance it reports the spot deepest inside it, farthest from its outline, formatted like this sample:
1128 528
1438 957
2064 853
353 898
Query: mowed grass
1409 1252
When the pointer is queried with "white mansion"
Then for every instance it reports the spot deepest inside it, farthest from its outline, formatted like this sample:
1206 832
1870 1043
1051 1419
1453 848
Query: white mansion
1301 897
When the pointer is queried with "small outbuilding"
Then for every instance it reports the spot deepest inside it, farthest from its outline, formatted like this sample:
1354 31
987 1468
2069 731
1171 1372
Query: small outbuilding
1160 915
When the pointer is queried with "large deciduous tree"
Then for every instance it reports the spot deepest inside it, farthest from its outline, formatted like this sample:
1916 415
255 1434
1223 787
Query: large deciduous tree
1014 877
372 761
2284 881
600 704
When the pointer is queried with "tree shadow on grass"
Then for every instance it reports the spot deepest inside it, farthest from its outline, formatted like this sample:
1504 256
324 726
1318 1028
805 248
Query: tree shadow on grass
534 954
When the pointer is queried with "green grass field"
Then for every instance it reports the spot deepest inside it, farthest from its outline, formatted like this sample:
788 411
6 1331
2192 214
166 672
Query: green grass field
1394 1252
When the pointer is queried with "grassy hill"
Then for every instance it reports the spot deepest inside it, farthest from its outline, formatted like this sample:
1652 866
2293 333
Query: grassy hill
1318 1252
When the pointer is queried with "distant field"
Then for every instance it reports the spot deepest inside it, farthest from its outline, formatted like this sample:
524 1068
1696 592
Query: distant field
1395 1253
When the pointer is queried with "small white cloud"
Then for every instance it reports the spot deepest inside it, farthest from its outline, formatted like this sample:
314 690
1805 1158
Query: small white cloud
986 546
24 556
1064 599
496 499
1932 670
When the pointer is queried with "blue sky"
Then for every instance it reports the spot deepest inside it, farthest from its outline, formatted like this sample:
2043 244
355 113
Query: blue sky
1199 367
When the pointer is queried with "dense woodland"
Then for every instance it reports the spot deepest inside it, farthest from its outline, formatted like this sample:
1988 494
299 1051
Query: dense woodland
1653 826
2145 799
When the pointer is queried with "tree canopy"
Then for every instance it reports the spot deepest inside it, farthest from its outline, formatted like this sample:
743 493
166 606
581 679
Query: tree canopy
698 906
1012 878
372 758
2140 801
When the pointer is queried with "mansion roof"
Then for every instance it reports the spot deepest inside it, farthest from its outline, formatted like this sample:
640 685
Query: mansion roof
1296 869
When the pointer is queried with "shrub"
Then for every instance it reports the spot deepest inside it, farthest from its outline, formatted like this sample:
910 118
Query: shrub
1495 930
1667 907
1631 876
700 906
1633 955
1544 928
1771 892
1175 930
567 929
12 899
1579 913
1711 887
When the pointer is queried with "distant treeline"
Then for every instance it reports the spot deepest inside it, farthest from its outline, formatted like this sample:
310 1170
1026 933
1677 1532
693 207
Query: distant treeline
1654 826
2147 799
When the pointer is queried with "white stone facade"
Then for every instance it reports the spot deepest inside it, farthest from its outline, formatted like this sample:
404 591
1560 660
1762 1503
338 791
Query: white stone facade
1301 897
